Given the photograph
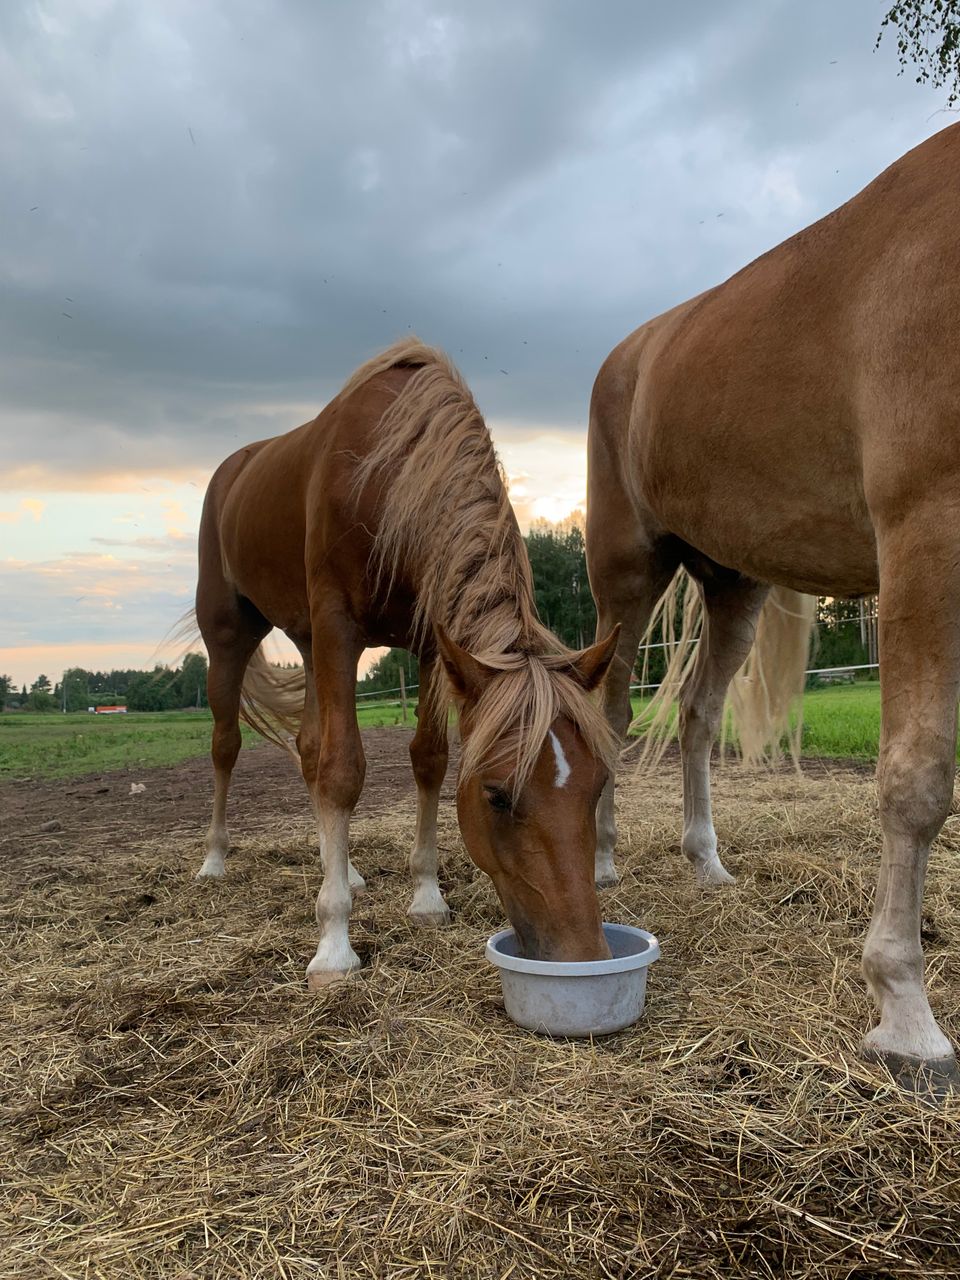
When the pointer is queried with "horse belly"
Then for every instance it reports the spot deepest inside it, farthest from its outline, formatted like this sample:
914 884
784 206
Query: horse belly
766 508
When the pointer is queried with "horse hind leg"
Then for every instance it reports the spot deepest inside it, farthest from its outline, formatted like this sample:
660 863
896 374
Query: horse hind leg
227 663
919 682
731 609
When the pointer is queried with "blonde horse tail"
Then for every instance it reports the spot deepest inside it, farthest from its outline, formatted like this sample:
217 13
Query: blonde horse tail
764 699
676 619
271 701
271 698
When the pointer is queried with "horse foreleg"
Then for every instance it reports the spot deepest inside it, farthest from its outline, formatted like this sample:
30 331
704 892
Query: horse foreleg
333 767
618 710
428 755
919 681
308 747
731 609
626 594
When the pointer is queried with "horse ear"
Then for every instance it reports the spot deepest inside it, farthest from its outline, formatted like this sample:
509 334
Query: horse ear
591 665
468 676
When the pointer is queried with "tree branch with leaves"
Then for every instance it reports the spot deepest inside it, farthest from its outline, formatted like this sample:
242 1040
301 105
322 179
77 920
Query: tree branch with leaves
928 38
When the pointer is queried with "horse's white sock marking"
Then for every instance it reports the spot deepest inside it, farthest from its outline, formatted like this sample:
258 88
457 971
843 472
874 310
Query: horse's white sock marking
563 769
335 957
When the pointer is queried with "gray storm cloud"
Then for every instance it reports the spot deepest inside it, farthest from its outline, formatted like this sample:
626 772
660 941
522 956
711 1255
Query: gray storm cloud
213 212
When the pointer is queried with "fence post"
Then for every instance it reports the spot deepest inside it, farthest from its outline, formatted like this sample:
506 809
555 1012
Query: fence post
403 695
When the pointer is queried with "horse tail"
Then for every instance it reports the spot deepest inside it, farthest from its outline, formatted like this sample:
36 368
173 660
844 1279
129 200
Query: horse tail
764 700
271 701
765 697
271 698
676 619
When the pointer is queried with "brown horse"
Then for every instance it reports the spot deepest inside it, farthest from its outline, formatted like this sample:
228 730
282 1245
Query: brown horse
799 425
385 521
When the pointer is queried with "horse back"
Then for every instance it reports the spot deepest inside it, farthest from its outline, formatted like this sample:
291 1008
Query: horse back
283 517
769 416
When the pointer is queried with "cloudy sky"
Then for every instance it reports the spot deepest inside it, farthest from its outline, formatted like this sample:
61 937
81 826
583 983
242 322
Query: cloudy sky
214 211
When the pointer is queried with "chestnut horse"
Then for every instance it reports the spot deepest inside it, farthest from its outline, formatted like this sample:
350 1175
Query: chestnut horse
799 425
385 521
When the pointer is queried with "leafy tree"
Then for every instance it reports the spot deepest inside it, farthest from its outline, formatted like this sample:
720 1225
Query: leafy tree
562 589
41 695
192 681
156 690
76 683
928 36
838 637
384 675
6 686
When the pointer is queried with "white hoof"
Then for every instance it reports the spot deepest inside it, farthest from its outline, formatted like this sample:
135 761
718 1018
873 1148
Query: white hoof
429 908
319 979
429 919
713 874
605 872
213 867
918 1040
330 964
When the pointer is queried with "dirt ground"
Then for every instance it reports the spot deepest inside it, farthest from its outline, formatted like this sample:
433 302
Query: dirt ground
173 1104
267 785
100 810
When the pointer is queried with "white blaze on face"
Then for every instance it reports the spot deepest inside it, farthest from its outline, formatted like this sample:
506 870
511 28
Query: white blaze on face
563 769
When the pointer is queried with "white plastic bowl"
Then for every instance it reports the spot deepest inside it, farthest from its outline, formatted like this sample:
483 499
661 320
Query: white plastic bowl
578 998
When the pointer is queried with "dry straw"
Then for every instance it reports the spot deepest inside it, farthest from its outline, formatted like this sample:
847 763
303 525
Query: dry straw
176 1105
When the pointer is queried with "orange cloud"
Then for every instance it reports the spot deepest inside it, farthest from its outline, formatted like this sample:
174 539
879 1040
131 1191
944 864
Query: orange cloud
23 663
28 506
39 477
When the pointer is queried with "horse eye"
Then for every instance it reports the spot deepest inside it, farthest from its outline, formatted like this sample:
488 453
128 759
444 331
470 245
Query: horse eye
498 799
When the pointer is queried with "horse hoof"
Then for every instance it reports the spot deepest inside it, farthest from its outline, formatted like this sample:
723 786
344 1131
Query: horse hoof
931 1080
605 874
714 875
429 919
212 869
320 979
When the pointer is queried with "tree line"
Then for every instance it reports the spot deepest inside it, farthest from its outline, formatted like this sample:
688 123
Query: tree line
564 602
162 689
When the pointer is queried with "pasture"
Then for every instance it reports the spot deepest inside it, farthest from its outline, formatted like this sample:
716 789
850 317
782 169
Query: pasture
52 745
843 722
175 1104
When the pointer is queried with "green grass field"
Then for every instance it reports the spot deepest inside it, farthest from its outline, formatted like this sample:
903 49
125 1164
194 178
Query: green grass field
839 721
53 745
842 721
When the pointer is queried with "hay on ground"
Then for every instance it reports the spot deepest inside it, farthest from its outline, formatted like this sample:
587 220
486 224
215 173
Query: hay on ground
176 1105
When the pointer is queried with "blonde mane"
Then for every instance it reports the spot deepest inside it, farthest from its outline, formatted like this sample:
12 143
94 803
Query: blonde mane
446 520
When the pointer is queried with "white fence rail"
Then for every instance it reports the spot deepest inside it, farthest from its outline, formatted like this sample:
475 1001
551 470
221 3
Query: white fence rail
387 701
